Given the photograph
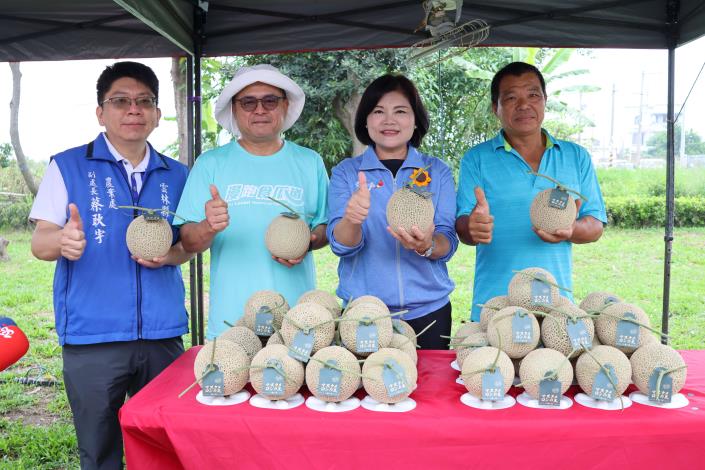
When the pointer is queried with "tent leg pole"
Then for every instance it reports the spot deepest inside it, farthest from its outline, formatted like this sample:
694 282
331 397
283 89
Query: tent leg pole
193 271
670 180
198 52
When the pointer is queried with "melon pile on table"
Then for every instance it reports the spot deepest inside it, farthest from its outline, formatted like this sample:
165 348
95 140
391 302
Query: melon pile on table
332 344
539 345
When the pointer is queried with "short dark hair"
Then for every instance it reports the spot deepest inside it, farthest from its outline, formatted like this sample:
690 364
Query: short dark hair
118 70
375 91
516 69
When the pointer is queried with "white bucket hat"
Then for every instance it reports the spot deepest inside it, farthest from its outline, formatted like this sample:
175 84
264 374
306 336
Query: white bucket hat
264 73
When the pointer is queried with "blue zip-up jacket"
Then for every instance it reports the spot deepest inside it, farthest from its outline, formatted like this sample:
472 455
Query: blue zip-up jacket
106 296
379 265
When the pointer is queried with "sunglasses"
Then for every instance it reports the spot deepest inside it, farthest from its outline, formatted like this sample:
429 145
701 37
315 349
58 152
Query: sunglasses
269 102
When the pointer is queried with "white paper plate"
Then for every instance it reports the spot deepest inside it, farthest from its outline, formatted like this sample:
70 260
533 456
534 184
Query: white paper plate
455 365
234 399
614 405
260 401
677 401
332 407
469 400
403 406
526 400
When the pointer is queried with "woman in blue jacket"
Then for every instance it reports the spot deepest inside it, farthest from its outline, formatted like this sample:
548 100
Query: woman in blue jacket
407 270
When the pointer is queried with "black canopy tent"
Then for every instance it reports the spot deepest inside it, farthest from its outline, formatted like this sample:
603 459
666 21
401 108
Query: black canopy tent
81 29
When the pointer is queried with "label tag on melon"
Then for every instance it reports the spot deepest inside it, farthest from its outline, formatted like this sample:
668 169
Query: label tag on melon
522 328
492 385
366 337
394 378
549 392
610 299
264 319
540 290
273 379
666 389
627 332
558 199
212 384
578 334
302 346
329 380
602 388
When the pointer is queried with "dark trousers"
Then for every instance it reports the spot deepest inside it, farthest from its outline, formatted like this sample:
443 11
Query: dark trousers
97 379
431 339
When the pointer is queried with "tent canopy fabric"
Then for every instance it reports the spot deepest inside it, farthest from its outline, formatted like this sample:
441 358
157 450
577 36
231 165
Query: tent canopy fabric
82 29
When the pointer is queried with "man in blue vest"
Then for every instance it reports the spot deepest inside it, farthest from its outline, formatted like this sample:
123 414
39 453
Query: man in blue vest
498 182
119 318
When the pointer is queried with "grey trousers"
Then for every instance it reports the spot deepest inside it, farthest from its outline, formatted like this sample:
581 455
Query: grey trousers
97 379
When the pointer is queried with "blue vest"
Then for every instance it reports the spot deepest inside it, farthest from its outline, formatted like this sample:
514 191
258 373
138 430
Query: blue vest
106 296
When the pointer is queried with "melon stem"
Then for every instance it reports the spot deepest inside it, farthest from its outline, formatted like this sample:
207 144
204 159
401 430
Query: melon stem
630 320
154 211
209 368
558 184
663 373
545 281
286 206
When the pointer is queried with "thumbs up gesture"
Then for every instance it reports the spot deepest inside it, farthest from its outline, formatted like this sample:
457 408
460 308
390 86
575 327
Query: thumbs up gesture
359 203
73 240
480 222
217 217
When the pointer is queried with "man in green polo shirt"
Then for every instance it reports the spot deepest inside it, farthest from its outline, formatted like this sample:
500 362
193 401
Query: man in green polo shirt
496 188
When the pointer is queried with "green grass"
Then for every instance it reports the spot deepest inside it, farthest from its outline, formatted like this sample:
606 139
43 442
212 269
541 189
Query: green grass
35 424
650 182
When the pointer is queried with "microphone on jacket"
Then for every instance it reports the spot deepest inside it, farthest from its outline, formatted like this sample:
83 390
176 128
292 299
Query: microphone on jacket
13 343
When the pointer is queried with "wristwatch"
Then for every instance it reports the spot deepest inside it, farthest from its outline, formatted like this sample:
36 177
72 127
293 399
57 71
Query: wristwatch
429 252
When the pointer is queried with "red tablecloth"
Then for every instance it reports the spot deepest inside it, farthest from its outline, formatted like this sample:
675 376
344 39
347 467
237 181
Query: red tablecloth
162 431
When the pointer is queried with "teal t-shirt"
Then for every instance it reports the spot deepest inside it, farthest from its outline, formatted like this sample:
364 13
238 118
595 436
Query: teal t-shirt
504 176
240 262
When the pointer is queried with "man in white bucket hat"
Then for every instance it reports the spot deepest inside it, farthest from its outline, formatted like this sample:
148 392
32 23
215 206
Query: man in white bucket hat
229 187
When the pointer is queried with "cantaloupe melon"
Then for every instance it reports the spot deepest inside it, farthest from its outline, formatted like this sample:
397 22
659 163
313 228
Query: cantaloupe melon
606 325
324 298
551 219
403 328
149 238
491 307
481 359
470 343
288 237
554 329
230 358
245 338
596 301
309 315
404 344
293 370
587 367
520 291
271 300
374 367
367 299
349 379
407 208
537 363
359 314
500 333
653 355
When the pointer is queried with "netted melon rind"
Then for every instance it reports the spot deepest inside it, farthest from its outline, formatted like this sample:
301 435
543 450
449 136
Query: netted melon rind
324 298
367 299
491 307
519 291
231 360
293 370
372 374
480 359
653 355
534 366
550 219
586 368
499 333
287 238
404 344
403 328
309 315
554 328
348 329
245 337
406 209
349 380
470 343
596 301
149 239
274 300
606 325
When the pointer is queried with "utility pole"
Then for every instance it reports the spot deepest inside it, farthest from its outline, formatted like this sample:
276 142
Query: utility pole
640 135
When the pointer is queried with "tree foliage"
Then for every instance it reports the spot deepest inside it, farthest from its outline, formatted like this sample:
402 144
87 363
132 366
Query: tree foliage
694 144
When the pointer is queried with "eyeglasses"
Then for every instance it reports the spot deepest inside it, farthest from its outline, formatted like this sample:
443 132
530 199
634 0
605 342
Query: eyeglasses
269 102
124 102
